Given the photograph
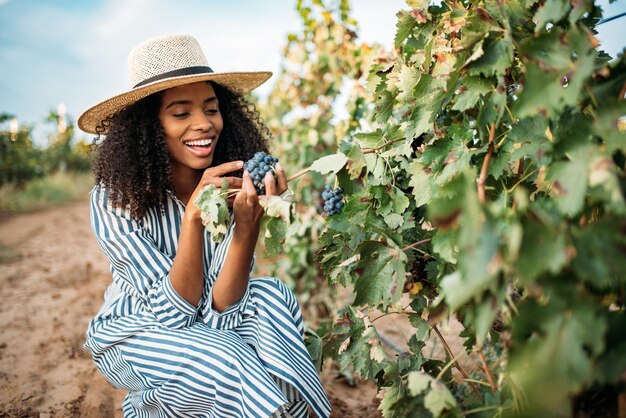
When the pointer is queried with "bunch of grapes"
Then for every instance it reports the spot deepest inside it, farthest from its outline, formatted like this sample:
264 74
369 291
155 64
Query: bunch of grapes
258 166
333 200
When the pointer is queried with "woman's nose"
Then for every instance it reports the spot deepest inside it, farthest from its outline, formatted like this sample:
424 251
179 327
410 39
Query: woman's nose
201 121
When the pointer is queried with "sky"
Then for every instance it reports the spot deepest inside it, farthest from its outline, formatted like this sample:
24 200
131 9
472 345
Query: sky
74 51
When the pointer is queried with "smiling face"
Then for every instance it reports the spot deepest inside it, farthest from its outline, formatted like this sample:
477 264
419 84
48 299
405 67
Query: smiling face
192 123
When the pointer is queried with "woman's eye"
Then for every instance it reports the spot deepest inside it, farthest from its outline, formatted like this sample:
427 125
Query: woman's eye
212 111
180 115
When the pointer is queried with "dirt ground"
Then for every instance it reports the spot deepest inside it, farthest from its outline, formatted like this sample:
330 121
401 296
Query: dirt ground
52 278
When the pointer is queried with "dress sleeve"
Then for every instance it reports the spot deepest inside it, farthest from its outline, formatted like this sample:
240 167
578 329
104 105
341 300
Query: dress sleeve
232 316
137 262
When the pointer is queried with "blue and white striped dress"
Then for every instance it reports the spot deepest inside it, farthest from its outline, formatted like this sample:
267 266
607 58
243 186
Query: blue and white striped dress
178 360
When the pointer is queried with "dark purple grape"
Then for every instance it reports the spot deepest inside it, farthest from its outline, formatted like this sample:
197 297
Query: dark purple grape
333 200
258 166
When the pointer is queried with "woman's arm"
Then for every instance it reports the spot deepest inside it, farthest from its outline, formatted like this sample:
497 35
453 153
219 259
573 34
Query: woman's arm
232 281
186 274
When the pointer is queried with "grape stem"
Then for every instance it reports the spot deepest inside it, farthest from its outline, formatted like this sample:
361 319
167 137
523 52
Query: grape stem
365 151
483 171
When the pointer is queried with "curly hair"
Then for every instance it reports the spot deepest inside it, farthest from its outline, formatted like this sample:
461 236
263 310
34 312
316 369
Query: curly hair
132 161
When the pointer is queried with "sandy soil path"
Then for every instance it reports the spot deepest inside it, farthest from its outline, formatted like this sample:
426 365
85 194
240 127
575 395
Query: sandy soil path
52 278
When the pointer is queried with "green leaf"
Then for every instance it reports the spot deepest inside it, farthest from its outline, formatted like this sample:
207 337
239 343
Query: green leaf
497 57
570 182
610 125
548 90
314 345
369 139
478 265
472 89
355 156
384 106
382 275
275 233
277 207
556 345
530 141
421 329
598 245
477 27
551 11
404 26
543 249
330 163
444 242
439 399
355 338
214 210
420 182
418 382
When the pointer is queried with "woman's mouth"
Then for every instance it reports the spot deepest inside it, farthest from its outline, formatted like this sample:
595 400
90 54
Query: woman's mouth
200 147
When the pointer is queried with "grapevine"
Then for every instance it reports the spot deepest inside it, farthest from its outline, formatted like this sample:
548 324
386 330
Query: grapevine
483 165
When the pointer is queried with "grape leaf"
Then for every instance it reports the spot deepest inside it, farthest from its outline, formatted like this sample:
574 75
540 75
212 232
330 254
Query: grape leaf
497 57
598 245
558 340
214 210
548 90
275 233
543 249
277 207
405 26
418 382
551 11
420 182
382 275
354 342
473 88
330 163
439 399
570 182
384 106
369 139
356 161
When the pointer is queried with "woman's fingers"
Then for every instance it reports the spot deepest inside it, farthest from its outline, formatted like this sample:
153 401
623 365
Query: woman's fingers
282 178
222 169
233 182
247 188
270 184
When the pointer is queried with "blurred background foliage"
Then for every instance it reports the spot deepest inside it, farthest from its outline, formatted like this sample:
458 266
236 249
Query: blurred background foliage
33 177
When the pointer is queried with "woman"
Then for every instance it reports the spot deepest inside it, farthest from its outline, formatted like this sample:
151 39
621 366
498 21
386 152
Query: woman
183 328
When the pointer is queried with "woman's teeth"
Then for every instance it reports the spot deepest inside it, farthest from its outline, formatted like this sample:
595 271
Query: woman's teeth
199 143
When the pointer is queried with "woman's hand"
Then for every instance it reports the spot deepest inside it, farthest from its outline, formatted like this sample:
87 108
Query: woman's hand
213 175
248 211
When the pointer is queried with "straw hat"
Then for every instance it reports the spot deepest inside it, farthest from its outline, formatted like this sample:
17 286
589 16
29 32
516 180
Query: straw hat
163 62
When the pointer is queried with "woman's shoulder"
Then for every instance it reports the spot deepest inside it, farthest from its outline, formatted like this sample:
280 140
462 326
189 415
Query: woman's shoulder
102 205
102 202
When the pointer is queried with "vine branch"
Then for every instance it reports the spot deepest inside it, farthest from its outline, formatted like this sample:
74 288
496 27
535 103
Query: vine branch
485 367
415 244
456 363
365 151
483 171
